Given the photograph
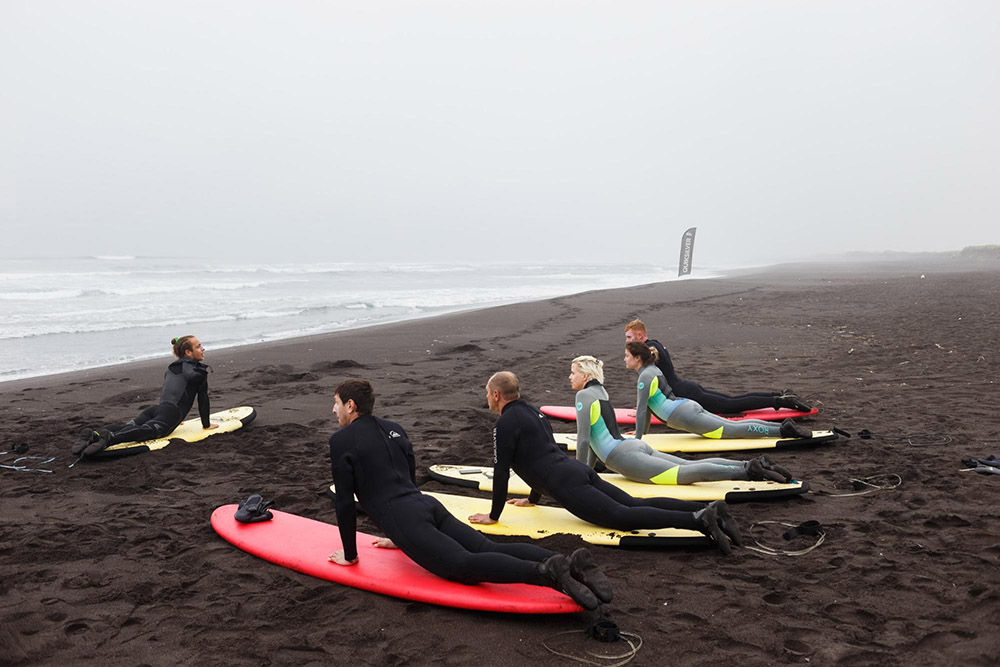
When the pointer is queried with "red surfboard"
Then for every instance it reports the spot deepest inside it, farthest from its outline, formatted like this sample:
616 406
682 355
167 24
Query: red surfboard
304 545
627 415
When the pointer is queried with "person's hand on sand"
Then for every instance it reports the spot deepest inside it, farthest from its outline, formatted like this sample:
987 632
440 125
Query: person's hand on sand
482 519
383 543
338 558
520 502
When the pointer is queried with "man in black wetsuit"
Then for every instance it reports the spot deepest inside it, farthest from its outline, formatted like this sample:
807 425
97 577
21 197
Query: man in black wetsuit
373 459
713 401
522 440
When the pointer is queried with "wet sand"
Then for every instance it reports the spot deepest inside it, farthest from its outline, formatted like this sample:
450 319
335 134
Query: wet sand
114 562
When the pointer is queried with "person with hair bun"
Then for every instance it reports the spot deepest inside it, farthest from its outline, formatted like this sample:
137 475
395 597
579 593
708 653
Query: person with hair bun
598 439
185 379
655 397
713 401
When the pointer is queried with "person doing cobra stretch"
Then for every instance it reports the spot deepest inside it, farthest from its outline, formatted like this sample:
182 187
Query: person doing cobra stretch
655 397
522 440
185 378
598 438
372 458
712 401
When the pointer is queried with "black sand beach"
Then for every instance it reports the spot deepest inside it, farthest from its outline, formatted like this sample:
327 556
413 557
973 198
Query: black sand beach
114 562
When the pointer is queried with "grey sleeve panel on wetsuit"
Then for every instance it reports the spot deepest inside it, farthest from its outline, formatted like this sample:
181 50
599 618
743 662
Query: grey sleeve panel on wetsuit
645 383
584 399
693 418
639 462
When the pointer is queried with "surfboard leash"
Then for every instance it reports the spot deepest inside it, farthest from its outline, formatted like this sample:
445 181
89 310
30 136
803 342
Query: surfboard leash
42 460
20 449
601 632
869 482
806 528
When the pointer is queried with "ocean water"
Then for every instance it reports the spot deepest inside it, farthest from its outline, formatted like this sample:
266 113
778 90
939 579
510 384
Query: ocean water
69 314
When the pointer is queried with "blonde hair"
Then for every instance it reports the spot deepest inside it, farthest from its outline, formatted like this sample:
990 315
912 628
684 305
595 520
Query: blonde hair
590 366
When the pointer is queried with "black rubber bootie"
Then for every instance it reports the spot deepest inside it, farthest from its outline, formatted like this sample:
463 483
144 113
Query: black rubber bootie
789 429
708 522
104 435
584 569
758 473
87 436
555 572
253 510
792 402
768 464
728 523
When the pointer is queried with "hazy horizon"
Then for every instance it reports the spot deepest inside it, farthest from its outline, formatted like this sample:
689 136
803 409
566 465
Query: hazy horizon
518 131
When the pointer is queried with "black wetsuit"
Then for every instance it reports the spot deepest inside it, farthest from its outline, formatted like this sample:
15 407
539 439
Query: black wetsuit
712 401
522 440
184 380
373 459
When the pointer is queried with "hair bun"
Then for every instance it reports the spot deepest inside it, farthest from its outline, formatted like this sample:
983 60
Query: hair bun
173 341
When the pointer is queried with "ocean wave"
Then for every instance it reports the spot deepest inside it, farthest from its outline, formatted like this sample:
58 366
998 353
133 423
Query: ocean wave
41 295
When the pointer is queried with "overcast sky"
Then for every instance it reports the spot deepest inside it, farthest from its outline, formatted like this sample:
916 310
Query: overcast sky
470 131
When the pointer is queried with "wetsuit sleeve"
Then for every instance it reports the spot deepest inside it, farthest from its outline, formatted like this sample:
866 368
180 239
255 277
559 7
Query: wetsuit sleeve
342 465
583 450
504 442
642 414
203 406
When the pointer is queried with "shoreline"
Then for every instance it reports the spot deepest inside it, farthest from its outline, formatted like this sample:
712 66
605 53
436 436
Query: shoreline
804 268
336 326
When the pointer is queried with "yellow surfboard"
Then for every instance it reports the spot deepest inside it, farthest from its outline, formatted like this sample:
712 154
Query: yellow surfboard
190 430
481 478
689 443
541 521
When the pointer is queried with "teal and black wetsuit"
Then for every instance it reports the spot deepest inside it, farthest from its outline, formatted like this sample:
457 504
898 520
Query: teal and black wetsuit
373 459
597 437
184 380
655 397
712 401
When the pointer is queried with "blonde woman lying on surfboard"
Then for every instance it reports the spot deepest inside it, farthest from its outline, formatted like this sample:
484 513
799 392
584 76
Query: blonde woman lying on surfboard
598 438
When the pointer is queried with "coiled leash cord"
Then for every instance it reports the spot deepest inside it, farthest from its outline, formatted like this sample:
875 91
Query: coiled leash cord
604 631
805 528
21 448
870 482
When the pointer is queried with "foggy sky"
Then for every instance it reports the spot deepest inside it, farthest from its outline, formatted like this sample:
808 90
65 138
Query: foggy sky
466 131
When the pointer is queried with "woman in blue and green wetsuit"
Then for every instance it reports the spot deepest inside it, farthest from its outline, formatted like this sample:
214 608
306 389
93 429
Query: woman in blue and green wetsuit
598 438
655 397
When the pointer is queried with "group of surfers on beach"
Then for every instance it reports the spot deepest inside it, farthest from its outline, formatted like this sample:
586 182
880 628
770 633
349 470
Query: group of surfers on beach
372 460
